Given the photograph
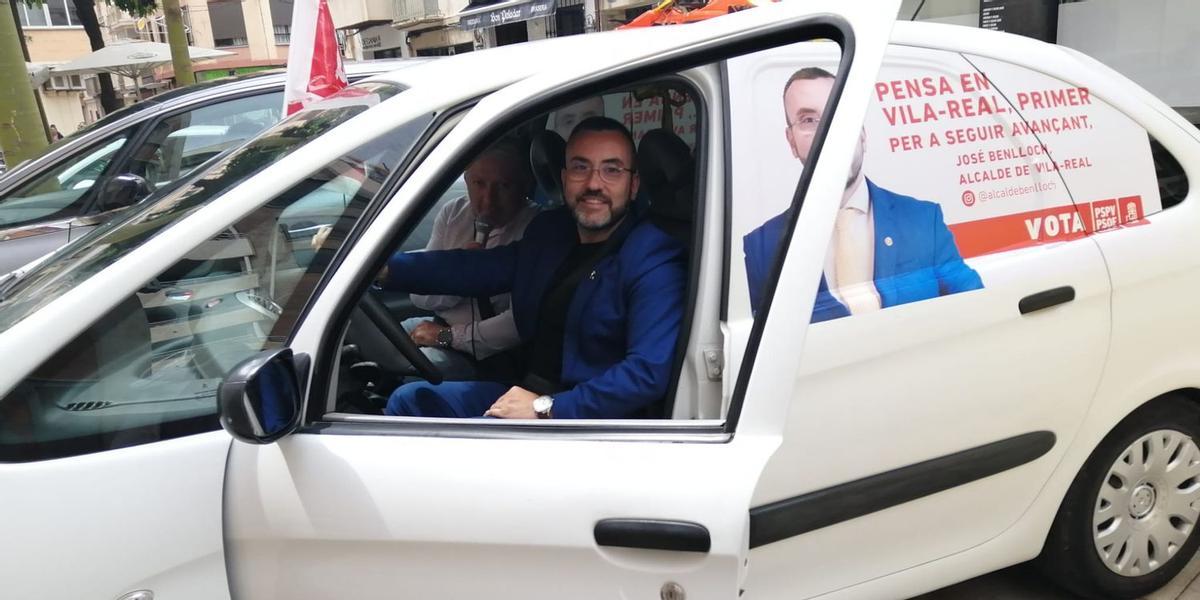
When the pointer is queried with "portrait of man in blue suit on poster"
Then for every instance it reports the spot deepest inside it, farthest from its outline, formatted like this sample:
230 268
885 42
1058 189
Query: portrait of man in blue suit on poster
886 249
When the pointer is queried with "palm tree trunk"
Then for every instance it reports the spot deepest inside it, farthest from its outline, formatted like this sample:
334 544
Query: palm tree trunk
178 40
86 9
21 133
25 53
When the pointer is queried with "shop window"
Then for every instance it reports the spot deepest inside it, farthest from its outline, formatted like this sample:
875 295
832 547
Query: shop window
52 13
568 20
228 25
512 33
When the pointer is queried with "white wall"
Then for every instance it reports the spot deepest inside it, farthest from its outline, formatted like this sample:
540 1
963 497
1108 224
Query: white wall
1149 41
955 12
63 110
538 28
1152 42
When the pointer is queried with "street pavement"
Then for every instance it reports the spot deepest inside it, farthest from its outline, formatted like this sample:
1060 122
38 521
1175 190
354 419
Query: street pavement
1023 582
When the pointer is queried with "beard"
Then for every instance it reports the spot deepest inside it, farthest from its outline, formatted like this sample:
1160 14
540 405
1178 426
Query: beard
598 222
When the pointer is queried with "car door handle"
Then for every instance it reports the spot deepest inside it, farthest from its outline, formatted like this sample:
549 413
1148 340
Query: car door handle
1046 299
653 534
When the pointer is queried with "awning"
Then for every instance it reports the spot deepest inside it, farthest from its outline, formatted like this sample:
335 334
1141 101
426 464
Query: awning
503 13
132 58
39 73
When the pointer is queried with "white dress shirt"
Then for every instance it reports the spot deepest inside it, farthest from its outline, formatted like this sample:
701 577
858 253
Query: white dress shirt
454 227
850 260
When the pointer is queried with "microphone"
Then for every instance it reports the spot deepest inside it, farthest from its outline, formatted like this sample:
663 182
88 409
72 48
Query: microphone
482 230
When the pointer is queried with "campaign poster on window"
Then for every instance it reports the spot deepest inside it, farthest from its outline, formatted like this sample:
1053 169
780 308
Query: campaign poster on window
990 142
955 160
995 144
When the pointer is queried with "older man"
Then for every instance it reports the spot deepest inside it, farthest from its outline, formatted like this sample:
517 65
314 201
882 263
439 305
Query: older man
597 296
494 212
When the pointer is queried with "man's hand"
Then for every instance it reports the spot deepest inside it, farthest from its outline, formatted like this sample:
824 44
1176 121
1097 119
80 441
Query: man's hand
472 246
516 403
322 234
425 334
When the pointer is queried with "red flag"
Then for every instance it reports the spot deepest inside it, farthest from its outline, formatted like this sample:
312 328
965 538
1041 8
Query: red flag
314 62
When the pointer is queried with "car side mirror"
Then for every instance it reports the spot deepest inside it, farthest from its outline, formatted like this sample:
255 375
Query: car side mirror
259 401
122 191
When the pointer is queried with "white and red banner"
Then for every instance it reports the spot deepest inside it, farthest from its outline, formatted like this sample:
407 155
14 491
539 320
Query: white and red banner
314 68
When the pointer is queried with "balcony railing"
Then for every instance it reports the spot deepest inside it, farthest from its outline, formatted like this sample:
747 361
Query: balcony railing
419 10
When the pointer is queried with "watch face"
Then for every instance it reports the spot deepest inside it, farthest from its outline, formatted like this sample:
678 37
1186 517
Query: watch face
542 404
445 336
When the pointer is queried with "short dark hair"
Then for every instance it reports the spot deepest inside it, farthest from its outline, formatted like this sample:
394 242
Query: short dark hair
805 74
601 124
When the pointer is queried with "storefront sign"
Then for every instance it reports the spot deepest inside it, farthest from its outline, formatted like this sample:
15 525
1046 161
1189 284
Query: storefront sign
511 13
380 37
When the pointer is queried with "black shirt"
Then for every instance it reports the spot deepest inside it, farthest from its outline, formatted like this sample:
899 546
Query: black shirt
546 348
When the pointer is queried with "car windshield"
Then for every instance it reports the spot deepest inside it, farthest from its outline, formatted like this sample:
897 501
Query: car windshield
76 262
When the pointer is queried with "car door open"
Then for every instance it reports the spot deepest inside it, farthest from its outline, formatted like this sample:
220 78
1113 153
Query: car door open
586 508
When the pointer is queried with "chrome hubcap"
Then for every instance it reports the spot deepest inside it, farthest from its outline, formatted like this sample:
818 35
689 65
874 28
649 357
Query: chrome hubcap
1141 502
1149 503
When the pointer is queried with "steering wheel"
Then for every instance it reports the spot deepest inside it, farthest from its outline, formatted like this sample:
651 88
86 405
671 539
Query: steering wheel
378 314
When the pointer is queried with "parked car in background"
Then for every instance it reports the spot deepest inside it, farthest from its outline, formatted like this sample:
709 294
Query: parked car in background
82 180
181 397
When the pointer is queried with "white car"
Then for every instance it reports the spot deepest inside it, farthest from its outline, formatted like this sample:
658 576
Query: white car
1038 402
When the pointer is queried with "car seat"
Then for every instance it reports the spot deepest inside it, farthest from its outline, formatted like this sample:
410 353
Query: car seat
547 152
667 173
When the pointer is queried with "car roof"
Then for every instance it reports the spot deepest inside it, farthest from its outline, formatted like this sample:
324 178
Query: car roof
234 84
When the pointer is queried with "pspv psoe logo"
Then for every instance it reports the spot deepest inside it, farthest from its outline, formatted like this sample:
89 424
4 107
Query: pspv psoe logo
968 198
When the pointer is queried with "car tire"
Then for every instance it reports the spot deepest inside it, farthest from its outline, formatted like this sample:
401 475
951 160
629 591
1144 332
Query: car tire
1128 523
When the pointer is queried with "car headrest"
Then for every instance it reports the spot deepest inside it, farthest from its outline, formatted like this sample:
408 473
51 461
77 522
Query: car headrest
546 158
667 173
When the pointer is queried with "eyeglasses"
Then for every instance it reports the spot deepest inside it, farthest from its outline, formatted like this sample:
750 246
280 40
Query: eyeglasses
581 171
806 124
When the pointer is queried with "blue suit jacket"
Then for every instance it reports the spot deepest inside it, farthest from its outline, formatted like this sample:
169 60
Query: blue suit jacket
622 323
920 262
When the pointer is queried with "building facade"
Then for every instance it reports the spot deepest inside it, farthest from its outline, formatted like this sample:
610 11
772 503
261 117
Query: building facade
1149 41
54 35
447 27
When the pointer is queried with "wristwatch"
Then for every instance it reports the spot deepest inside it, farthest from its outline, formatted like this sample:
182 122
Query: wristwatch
445 337
542 406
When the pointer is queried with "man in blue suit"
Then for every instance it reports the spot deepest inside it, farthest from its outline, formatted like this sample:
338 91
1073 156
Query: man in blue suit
597 297
887 249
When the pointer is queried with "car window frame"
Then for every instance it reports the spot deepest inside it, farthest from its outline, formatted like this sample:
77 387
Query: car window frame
323 375
148 126
86 200
299 298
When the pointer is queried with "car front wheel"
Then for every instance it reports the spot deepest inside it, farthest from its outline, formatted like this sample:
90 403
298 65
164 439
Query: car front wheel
1128 523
